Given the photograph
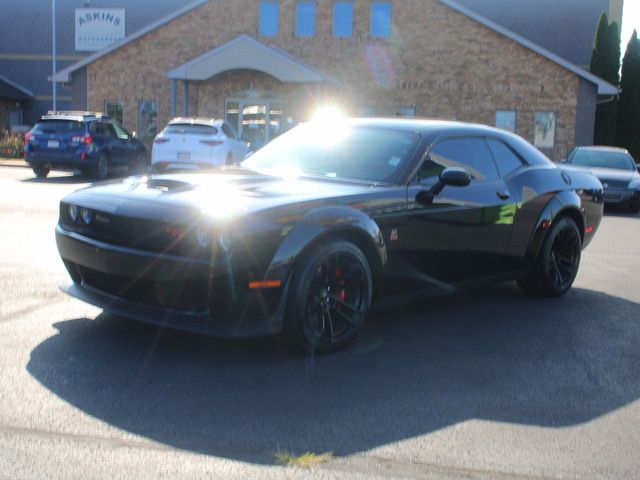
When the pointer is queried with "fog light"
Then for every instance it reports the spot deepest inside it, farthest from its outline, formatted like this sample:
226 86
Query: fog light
86 215
73 212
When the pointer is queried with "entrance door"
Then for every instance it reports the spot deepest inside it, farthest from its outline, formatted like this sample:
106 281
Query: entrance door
257 120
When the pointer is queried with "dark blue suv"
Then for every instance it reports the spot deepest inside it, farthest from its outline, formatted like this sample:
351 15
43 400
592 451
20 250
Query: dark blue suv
87 141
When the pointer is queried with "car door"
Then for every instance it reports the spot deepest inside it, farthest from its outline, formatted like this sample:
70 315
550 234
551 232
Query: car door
125 146
463 232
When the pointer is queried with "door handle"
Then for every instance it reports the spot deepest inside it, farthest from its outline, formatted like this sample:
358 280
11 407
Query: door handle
503 195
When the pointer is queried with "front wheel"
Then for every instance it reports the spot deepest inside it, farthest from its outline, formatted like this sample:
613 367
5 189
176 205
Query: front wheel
557 264
330 293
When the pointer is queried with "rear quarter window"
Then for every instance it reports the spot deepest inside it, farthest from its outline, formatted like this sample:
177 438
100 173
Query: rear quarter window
190 129
58 126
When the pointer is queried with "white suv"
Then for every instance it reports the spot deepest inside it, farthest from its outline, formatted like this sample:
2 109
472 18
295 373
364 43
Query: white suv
188 142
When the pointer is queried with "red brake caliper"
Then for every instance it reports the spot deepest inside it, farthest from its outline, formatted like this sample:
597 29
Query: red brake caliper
341 295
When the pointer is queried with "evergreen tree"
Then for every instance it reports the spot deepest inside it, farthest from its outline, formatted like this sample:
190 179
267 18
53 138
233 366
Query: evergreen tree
629 109
605 63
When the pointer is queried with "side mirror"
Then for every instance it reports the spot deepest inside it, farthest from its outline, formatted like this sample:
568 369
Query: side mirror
453 177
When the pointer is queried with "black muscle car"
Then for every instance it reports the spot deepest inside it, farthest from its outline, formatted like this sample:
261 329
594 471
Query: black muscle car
325 221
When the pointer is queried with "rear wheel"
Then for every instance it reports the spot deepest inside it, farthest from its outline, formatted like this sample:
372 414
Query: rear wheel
330 294
41 170
634 207
102 169
557 264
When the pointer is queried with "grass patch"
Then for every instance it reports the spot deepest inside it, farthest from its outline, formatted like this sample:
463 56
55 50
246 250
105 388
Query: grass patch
306 460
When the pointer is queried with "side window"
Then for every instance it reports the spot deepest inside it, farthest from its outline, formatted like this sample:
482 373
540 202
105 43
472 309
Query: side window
472 154
305 19
228 132
380 23
120 132
506 160
342 19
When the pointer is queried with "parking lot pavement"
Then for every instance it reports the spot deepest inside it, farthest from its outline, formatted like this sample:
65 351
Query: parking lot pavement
488 384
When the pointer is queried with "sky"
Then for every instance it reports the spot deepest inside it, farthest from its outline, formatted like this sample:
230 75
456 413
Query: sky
630 21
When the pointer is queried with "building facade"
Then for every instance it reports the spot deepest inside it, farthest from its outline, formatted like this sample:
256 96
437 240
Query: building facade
565 28
265 65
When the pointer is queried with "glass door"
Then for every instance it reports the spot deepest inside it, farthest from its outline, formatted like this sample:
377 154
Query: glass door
257 120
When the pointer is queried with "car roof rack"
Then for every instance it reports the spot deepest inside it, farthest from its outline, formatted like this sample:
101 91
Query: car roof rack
76 113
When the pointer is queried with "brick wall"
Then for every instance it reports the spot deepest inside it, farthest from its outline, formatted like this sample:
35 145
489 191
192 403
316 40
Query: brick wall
438 61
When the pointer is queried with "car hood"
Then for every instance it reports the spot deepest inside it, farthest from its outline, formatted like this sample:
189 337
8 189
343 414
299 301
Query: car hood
221 195
603 174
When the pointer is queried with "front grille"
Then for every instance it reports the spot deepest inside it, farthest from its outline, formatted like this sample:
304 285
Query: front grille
149 235
614 184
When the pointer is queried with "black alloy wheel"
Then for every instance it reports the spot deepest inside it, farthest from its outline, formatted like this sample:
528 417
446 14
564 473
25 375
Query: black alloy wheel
557 264
41 170
329 297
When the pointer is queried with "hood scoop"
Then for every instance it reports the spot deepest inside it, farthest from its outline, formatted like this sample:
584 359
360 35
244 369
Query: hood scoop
169 184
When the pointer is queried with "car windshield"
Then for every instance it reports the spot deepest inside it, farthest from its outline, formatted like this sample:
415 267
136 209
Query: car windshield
58 126
190 129
336 151
603 159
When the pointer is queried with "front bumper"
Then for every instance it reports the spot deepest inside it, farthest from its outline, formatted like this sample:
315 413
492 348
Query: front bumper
182 293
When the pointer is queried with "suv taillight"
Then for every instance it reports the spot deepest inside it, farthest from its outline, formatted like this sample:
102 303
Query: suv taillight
27 137
86 139
160 140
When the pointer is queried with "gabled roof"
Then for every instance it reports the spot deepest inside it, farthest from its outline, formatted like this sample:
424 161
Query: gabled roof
65 75
245 52
604 87
14 91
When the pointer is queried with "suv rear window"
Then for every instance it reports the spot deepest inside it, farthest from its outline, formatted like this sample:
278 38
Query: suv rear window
58 126
190 129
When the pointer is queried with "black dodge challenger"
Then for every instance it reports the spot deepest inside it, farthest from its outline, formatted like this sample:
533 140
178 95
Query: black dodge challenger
325 221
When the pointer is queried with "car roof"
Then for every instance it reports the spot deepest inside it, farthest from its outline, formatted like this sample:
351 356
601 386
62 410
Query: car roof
209 121
602 148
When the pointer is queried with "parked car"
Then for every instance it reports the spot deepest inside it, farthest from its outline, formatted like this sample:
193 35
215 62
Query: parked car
325 221
615 168
196 143
87 141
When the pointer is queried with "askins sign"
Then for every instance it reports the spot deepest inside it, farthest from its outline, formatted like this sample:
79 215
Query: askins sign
98 27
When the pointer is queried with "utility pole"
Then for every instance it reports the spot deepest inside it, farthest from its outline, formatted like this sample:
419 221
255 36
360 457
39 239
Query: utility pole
53 42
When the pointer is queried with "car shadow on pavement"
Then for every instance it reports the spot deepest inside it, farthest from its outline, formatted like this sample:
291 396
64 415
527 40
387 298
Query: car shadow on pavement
495 355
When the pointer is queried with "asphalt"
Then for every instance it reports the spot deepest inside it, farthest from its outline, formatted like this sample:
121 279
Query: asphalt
491 384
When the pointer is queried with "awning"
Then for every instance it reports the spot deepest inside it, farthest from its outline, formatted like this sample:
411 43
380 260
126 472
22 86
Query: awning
246 53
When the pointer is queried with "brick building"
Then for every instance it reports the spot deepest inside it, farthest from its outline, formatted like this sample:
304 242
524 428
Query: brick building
266 64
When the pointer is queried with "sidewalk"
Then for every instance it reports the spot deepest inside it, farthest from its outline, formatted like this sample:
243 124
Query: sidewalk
12 162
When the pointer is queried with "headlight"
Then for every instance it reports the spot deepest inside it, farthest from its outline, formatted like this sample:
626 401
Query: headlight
72 210
86 215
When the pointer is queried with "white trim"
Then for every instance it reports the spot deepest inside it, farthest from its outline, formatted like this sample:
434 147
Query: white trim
604 87
18 87
64 75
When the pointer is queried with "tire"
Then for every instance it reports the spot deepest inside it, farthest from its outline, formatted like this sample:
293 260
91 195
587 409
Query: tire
557 263
634 208
102 168
41 171
330 293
